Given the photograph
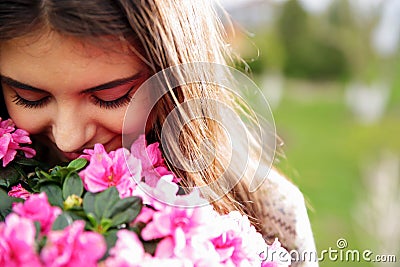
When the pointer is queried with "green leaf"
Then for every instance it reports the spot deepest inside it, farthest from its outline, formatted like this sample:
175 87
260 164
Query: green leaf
26 162
37 229
111 238
6 204
42 182
72 186
9 176
126 210
32 182
54 194
42 174
105 200
62 221
77 164
59 173
123 204
41 242
107 205
92 220
105 224
150 246
88 204
77 214
56 170
21 172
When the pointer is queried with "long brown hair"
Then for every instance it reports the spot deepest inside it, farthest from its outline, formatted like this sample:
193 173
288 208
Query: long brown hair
170 32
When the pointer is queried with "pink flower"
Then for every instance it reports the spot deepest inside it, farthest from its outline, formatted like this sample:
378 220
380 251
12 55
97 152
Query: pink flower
37 208
239 244
17 242
153 165
110 169
6 126
179 223
128 250
198 251
73 247
19 192
7 149
228 246
164 192
145 215
170 262
275 255
10 140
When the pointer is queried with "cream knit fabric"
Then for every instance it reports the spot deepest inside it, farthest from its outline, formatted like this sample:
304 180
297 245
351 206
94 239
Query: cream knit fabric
286 217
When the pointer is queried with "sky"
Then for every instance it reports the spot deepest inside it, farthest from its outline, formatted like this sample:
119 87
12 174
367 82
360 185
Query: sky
386 36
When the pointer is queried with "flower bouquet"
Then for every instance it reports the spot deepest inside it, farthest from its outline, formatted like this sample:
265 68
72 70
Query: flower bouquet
120 208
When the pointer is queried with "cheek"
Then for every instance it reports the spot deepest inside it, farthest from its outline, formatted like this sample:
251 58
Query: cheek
33 121
110 120
137 118
132 122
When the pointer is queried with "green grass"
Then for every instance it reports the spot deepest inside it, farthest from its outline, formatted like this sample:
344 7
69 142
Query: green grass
325 148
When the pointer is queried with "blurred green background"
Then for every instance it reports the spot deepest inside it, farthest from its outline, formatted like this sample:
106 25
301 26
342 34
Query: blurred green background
329 69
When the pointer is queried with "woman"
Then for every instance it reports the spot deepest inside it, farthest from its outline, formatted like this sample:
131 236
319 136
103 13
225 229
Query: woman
69 69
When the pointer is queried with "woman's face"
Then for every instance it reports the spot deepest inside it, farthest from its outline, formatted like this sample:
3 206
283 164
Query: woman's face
75 95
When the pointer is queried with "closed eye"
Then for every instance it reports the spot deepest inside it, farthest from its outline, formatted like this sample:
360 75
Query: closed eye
102 103
17 99
115 103
110 95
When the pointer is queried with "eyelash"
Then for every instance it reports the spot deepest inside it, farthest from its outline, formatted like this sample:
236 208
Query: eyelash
30 104
113 104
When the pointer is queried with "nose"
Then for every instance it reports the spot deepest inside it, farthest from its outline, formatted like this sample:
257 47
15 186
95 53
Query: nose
72 129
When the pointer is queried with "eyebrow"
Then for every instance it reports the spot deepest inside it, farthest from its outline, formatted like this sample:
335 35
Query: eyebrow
118 82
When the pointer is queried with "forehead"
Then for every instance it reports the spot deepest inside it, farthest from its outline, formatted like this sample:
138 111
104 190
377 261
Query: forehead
54 58
49 42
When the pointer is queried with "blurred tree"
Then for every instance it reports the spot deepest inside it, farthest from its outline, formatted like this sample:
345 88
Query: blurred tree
307 55
271 53
350 32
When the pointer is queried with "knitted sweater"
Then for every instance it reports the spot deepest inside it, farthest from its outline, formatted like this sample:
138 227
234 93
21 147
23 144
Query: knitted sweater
286 218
